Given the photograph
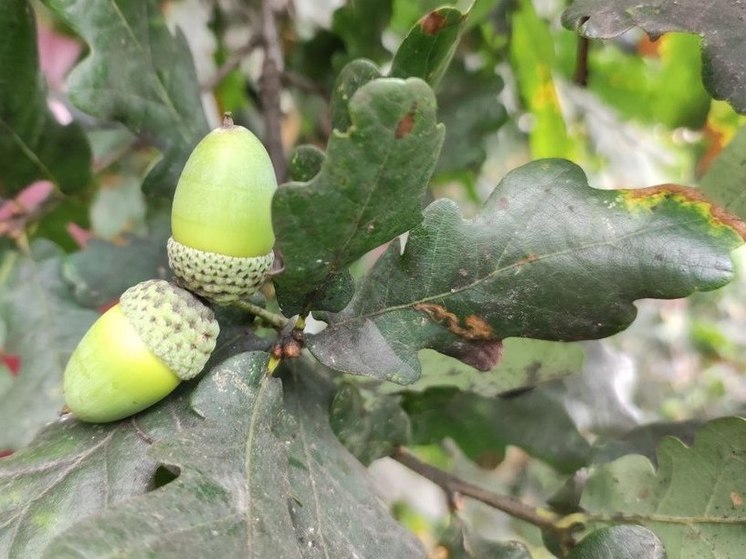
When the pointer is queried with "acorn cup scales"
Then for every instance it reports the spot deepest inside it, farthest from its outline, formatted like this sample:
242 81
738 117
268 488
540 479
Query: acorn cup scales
222 238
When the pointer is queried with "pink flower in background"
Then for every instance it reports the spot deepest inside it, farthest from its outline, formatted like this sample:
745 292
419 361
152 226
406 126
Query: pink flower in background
57 54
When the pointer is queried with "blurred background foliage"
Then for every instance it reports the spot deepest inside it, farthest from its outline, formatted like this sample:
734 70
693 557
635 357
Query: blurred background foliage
511 95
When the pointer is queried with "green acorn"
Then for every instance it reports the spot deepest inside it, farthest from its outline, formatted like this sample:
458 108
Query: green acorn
138 351
221 224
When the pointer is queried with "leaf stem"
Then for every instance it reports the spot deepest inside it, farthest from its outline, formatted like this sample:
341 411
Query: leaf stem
276 320
451 485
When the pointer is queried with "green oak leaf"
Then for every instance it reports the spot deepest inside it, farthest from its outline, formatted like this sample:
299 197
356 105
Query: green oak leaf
469 107
44 325
368 191
694 502
547 257
33 145
718 22
138 74
427 50
619 542
74 470
536 422
259 474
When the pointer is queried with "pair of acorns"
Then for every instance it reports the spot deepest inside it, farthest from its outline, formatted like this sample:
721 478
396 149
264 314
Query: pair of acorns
220 250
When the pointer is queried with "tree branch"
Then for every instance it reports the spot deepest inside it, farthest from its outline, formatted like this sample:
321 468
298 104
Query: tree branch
270 88
581 61
542 518
231 64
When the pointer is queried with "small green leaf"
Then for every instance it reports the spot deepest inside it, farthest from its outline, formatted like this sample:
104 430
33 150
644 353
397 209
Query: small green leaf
427 50
368 191
482 427
33 145
352 77
694 502
619 542
547 257
469 108
369 427
138 74
44 325
360 24
720 26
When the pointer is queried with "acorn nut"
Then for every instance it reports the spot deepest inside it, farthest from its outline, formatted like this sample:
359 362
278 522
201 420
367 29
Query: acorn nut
221 224
138 351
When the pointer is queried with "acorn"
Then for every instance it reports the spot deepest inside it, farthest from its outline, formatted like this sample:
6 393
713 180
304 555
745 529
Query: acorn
138 351
221 223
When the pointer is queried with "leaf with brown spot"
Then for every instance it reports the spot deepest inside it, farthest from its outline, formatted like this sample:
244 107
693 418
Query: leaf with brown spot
547 257
427 50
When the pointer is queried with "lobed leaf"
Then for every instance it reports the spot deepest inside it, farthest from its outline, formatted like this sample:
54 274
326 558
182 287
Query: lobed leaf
367 191
718 22
138 74
547 257
33 145
260 474
693 502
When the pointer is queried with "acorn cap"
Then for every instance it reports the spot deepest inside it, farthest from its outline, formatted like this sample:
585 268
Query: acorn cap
217 277
177 327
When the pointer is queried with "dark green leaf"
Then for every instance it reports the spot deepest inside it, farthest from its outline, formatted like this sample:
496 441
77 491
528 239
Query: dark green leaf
482 427
619 542
334 507
720 23
725 180
33 145
368 191
547 257
360 24
103 271
470 111
427 50
694 502
138 74
73 470
260 474
369 427
44 325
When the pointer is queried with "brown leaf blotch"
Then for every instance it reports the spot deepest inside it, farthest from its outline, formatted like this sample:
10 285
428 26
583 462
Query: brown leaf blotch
406 124
432 23
472 328
737 499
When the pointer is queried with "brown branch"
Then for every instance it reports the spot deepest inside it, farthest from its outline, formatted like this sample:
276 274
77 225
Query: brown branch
452 486
581 62
270 88
231 64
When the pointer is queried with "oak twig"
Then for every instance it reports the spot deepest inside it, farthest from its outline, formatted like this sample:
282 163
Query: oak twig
581 61
452 486
270 87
